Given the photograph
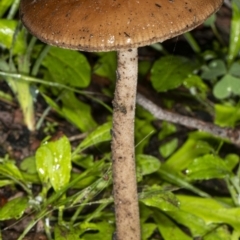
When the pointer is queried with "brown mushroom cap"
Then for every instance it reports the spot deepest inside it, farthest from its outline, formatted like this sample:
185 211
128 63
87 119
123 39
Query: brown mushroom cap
105 25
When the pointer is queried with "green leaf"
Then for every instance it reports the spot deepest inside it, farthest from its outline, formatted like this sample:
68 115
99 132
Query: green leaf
8 168
147 164
101 230
84 161
215 68
28 165
195 224
166 149
219 233
106 65
52 104
169 175
226 115
68 67
210 210
6 182
7 31
235 69
101 134
191 149
147 230
22 92
168 229
13 209
207 167
63 233
160 198
226 86
169 72
231 161
234 44
4 5
53 160
77 112
44 161
194 81
166 130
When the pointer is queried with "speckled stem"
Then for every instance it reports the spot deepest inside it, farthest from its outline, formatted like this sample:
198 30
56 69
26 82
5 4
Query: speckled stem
124 173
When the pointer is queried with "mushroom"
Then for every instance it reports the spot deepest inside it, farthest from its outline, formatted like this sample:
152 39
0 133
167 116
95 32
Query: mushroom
122 26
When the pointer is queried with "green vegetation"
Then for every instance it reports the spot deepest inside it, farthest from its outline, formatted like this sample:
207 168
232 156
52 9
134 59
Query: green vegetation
75 201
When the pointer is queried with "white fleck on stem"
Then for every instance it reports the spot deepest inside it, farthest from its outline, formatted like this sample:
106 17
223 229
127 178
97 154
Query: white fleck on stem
123 156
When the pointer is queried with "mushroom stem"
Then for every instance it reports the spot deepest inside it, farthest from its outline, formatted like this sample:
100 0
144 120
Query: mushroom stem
123 149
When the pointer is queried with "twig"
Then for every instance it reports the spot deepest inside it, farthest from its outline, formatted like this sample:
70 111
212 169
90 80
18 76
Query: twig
232 135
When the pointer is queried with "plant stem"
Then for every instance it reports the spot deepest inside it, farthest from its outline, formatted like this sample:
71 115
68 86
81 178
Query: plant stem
123 157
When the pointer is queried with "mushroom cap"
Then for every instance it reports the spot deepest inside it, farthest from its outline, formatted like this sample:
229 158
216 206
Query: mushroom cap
106 25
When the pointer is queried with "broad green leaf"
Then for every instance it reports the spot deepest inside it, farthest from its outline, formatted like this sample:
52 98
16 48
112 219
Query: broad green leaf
207 167
194 81
166 149
216 68
101 134
226 115
235 234
169 72
6 182
227 86
196 225
147 164
84 161
147 230
234 44
4 5
210 210
63 233
106 65
7 30
77 112
28 165
53 160
160 198
191 149
231 160
13 209
168 229
169 175
44 162
145 212
9 169
219 233
166 130
61 152
99 231
235 69
68 67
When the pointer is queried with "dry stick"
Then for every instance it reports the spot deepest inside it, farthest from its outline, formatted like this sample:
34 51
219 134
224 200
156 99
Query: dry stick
123 156
156 111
